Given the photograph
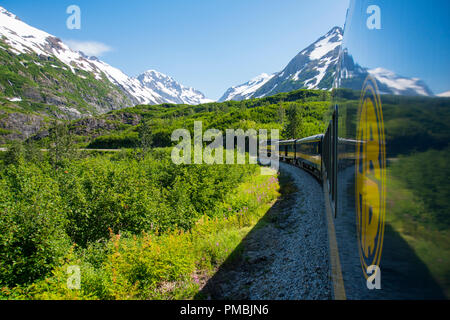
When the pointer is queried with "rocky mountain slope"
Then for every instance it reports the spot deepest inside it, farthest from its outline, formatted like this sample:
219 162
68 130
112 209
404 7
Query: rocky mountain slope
170 90
40 76
246 90
44 60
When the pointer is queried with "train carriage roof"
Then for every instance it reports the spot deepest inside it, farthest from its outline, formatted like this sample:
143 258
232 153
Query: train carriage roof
287 141
318 137
304 140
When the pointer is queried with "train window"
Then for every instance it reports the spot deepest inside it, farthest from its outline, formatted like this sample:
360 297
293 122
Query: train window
310 148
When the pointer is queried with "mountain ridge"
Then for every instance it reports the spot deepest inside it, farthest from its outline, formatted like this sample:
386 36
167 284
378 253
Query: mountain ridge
171 90
22 38
315 67
312 68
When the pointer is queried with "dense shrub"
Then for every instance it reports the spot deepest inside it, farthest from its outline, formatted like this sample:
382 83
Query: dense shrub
158 266
44 210
116 140
32 224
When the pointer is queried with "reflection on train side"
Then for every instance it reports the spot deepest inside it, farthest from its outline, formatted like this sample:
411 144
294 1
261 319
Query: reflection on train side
391 101
392 97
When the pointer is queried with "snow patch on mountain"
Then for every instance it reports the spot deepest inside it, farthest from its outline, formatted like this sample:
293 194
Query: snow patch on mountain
325 45
14 99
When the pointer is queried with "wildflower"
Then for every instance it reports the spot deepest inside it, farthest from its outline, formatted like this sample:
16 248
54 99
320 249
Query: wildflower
196 278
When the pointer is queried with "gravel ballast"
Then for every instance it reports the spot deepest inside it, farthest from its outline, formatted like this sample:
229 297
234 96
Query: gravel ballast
286 257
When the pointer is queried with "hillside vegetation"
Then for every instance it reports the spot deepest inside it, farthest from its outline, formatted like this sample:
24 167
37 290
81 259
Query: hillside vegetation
136 225
46 85
130 223
120 128
34 89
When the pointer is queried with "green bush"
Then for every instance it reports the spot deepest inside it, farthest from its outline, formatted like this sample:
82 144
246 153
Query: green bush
32 224
115 140
44 210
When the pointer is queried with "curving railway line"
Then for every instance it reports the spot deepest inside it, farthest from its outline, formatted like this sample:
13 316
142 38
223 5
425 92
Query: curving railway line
389 221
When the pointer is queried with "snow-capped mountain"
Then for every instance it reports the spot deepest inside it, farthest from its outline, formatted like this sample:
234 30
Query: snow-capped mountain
445 94
313 68
25 39
391 83
352 75
246 90
170 90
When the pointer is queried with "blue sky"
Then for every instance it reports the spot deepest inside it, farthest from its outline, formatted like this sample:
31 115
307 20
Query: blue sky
207 44
413 40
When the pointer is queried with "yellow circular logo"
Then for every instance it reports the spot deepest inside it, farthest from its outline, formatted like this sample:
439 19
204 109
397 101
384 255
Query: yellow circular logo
370 176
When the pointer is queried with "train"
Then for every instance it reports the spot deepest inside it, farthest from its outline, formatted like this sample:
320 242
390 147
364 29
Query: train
304 153
383 160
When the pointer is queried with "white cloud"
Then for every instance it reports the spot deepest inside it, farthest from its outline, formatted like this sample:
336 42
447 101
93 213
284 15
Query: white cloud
89 48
